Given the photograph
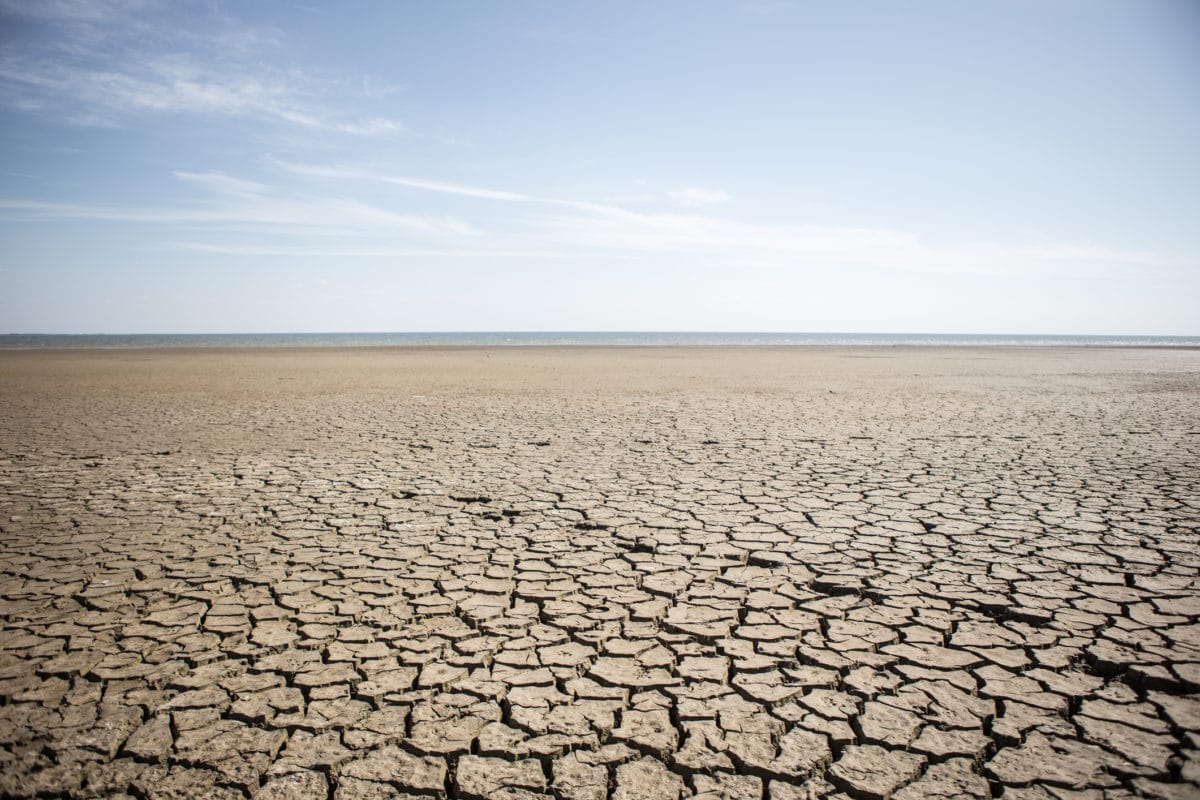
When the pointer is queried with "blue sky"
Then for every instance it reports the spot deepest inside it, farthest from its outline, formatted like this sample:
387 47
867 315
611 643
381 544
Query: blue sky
1015 166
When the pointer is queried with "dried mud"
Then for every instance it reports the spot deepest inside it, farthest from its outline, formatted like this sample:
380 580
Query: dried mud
590 573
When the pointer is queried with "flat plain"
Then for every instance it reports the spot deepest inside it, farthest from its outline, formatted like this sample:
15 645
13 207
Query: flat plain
600 573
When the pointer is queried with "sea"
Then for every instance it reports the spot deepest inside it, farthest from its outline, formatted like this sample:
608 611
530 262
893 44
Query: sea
24 341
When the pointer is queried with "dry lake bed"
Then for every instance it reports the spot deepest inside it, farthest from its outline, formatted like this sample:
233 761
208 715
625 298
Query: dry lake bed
589 573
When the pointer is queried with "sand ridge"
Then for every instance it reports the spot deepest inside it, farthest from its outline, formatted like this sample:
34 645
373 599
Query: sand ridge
600 572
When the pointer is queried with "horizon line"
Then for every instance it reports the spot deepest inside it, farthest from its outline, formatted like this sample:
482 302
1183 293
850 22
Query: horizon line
592 332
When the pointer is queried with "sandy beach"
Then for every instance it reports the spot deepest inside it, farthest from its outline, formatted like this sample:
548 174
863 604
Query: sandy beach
628 573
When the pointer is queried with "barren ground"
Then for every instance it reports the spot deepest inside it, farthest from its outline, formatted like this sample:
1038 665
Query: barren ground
592 573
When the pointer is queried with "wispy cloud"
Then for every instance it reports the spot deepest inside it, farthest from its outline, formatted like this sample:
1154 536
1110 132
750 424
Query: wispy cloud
70 10
347 173
237 204
698 196
582 226
344 173
220 182
308 251
248 217
817 246
102 64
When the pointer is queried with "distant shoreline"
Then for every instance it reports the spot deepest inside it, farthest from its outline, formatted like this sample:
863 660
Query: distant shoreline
552 339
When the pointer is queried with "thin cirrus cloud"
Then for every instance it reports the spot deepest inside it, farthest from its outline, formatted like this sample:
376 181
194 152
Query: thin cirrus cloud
816 246
606 227
107 98
688 196
221 183
101 64
560 228
310 251
348 173
691 196
603 226
237 204
74 10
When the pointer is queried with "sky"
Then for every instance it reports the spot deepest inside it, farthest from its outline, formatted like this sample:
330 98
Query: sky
1016 166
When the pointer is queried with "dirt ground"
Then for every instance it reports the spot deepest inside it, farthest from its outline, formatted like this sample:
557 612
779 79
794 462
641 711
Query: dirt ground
719 573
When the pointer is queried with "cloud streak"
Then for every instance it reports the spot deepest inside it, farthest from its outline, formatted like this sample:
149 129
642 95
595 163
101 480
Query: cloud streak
345 173
102 64
552 228
692 196
305 251
238 204
599 227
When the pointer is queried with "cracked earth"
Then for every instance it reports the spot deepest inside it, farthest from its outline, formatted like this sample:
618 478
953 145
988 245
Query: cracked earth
591 574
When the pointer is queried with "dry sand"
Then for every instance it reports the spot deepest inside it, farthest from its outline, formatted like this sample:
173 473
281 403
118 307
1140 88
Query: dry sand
591 573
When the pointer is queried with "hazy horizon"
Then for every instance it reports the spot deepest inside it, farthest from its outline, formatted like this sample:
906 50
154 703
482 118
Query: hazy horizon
999 168
565 337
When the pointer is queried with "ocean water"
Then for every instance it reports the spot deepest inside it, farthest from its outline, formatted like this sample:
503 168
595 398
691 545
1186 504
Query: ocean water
21 341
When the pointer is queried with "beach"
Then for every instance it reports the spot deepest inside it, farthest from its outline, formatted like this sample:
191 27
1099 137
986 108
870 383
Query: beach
594 572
